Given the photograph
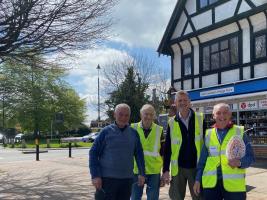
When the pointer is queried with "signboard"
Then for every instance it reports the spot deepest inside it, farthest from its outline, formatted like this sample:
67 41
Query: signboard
248 105
263 103
217 91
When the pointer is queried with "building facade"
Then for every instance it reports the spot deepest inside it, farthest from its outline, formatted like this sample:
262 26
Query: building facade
218 54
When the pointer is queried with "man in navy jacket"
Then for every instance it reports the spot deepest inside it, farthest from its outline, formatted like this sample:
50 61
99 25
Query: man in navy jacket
111 158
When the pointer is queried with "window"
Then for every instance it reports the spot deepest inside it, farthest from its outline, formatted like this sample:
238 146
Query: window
204 3
260 46
187 65
220 54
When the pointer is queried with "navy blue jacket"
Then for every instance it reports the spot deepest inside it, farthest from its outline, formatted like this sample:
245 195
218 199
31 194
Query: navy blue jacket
112 154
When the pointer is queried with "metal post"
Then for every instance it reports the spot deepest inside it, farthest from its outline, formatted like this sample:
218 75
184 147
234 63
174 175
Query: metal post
69 149
51 125
98 68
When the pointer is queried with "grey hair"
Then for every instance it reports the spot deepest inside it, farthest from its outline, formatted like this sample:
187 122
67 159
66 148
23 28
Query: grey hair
221 105
182 92
122 105
147 107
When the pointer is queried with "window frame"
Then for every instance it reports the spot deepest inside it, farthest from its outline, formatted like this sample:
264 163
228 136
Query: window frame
255 35
208 6
189 55
218 41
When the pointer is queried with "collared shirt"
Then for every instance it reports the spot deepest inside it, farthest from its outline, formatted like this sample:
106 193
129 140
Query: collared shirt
246 161
186 120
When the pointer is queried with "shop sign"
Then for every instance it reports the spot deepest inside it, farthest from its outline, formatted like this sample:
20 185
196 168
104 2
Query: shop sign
233 106
248 105
217 91
263 103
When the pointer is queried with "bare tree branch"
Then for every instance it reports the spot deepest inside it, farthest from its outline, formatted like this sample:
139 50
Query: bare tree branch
30 27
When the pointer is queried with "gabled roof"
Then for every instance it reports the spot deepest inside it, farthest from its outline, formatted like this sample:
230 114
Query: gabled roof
163 46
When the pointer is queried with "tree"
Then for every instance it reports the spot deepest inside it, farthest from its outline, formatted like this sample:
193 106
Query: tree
35 95
131 91
147 70
31 27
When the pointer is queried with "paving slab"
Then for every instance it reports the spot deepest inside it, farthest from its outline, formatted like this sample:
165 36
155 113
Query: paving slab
68 178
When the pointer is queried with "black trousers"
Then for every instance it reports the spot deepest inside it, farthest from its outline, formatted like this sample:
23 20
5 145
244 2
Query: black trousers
219 193
114 189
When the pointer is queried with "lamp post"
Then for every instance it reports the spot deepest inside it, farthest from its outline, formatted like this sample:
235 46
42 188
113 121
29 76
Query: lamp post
98 103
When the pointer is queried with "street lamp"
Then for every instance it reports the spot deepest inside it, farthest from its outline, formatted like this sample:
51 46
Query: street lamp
98 68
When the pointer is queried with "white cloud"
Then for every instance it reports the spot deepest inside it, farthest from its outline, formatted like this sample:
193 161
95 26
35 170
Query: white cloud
139 24
142 22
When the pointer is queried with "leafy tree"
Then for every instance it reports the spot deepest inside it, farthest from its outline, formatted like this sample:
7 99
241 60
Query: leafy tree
131 91
34 97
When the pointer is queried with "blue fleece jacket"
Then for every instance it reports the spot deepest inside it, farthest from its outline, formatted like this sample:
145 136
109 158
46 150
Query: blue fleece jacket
112 154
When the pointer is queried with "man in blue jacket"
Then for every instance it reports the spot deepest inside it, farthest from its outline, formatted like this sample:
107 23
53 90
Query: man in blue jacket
111 158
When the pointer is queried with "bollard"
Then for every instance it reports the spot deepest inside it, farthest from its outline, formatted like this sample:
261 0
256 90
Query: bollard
69 149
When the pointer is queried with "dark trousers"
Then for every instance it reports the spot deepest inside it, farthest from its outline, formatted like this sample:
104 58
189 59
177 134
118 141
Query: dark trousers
220 193
114 189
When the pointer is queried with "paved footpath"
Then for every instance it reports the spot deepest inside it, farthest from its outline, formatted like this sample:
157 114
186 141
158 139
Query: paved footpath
67 178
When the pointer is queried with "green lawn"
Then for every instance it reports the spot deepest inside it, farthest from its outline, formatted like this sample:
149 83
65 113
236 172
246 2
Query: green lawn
53 144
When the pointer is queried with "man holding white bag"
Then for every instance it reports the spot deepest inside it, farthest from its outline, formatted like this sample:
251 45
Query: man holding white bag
224 157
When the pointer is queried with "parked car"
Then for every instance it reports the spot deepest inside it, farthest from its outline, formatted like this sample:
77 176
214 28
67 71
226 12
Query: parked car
2 138
90 137
18 137
93 137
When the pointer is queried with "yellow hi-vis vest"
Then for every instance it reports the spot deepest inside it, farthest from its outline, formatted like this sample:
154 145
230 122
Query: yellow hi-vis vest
176 140
151 147
233 179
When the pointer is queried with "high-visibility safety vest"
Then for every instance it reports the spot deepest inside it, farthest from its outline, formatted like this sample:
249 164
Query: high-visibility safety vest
151 147
176 140
233 179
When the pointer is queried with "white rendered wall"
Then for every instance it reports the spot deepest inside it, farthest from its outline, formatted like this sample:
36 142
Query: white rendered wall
258 22
225 30
191 6
180 26
260 70
246 40
202 20
246 73
225 10
196 83
230 76
186 47
243 7
259 2
176 62
210 80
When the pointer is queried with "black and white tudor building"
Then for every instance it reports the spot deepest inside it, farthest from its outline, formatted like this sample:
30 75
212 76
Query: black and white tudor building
218 54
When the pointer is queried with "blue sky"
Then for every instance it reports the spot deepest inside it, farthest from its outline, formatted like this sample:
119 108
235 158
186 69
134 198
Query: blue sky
139 27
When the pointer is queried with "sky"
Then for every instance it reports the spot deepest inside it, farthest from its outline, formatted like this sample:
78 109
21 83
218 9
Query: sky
139 27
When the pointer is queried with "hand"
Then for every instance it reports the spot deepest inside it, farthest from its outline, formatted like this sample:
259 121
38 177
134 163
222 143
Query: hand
141 180
234 163
196 188
97 182
166 177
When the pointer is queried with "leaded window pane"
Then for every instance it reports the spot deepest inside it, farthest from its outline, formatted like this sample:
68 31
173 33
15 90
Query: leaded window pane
260 46
206 58
225 60
203 3
224 44
215 61
214 47
234 50
187 66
